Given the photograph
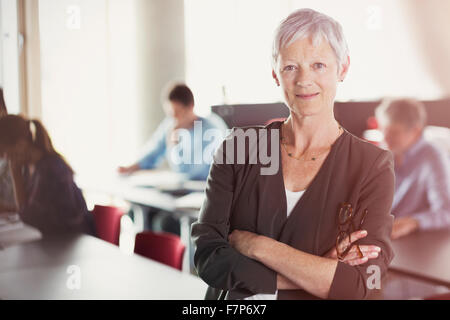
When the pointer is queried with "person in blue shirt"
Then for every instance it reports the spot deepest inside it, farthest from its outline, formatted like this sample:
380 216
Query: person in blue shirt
186 140
422 171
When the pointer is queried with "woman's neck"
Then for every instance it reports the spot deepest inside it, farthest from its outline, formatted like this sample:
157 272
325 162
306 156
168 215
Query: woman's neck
313 132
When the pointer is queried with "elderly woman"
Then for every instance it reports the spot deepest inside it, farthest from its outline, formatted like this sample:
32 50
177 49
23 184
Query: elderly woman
292 235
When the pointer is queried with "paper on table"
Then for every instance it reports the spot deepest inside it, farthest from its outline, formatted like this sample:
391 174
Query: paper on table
195 185
154 178
11 226
193 200
18 235
10 221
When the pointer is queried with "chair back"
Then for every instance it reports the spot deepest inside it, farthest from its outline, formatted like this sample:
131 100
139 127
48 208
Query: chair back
166 248
107 223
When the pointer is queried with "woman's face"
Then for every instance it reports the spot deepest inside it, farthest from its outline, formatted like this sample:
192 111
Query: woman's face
308 76
176 110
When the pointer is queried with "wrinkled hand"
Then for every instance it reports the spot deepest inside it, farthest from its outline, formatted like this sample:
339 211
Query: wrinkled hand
352 258
403 227
244 241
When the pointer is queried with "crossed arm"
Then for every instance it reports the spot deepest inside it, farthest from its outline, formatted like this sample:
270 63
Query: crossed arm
297 269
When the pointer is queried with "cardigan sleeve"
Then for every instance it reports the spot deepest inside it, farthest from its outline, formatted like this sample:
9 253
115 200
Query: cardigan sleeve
355 282
217 262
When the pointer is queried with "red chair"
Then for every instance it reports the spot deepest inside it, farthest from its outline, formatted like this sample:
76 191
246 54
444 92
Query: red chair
107 223
166 248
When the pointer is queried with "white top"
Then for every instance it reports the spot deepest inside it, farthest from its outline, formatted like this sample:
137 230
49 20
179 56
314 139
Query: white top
291 200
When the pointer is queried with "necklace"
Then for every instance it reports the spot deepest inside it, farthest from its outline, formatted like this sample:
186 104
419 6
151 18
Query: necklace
314 157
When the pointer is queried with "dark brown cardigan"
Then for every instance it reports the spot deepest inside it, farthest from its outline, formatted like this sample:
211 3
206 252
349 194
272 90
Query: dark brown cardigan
239 197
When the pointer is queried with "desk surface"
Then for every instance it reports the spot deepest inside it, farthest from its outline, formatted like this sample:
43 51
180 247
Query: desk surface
17 236
146 187
424 255
39 270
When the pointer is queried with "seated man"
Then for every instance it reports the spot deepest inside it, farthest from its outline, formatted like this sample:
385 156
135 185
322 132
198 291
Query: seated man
422 172
180 138
186 140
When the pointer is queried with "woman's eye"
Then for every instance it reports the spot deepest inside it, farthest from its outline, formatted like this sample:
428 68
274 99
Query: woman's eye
289 68
319 65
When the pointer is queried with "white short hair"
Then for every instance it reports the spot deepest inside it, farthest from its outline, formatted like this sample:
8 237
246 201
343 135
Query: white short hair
305 23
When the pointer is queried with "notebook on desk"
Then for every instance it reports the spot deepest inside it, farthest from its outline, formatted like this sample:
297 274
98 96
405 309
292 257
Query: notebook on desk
153 179
13 231
169 182
193 201
10 221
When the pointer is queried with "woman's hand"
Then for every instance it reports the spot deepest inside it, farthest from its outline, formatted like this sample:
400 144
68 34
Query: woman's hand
128 170
352 258
244 241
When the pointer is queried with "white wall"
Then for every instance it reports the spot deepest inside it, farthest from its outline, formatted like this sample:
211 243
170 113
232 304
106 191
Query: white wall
229 44
103 64
1 48
74 79
385 55
160 54
10 55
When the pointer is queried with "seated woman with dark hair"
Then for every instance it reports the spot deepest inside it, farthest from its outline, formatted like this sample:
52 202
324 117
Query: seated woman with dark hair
7 199
47 195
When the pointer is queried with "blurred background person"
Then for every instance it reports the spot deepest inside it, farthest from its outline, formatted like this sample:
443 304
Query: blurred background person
7 198
422 172
178 104
179 108
51 201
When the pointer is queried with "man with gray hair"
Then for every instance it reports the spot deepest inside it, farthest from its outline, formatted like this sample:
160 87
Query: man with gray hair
422 172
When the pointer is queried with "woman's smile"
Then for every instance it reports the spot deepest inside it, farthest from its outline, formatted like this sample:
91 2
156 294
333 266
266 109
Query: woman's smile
307 96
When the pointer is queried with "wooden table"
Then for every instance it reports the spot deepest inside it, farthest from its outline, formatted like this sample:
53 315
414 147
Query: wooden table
44 269
424 255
